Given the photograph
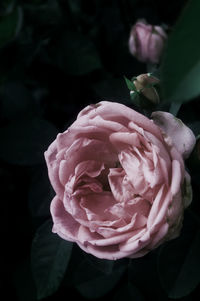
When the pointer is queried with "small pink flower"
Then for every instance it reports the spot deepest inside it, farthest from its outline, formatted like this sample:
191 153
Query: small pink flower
120 181
146 42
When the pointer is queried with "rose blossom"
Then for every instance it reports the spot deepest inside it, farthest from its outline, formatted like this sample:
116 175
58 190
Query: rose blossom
120 182
146 42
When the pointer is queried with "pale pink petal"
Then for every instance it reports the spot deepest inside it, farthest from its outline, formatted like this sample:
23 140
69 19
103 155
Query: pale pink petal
160 31
91 168
143 35
90 150
120 140
155 47
137 222
85 235
176 177
111 241
111 125
182 137
162 213
122 114
175 210
136 245
96 204
53 169
64 224
129 163
157 203
120 186
159 236
111 252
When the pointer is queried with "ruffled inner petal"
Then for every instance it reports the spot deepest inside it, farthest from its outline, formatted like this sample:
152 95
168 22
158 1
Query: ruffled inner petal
118 189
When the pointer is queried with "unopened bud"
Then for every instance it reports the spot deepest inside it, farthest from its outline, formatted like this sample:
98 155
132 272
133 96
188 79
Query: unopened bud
144 84
146 42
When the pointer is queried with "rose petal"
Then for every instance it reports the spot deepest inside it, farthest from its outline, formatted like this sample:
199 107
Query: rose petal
120 186
136 245
121 114
53 169
158 238
64 224
182 136
111 252
187 190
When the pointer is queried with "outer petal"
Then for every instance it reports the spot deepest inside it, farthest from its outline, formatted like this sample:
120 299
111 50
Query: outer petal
122 114
64 224
187 190
182 137
53 168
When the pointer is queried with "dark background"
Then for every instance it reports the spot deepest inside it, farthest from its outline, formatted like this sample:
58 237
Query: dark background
55 58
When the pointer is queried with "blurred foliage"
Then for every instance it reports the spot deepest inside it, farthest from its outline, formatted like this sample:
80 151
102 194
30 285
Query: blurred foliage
56 56
181 62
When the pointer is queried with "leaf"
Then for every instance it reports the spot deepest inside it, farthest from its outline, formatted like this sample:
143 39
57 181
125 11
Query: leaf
77 54
23 281
6 7
23 142
75 6
50 256
179 261
130 84
128 292
41 193
180 70
95 284
16 101
142 273
45 14
10 26
195 127
103 265
174 108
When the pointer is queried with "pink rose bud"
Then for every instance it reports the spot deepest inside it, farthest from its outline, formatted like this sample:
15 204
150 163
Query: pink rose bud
144 83
146 42
120 180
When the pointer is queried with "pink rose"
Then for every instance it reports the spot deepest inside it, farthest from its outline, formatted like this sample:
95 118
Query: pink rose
146 42
120 182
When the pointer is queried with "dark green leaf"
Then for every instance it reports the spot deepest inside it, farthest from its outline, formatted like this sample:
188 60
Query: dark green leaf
181 62
45 14
77 54
174 108
75 6
128 292
10 25
95 284
99 286
41 193
16 101
23 282
130 84
50 256
6 7
23 142
195 127
179 261
103 265
135 98
142 273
